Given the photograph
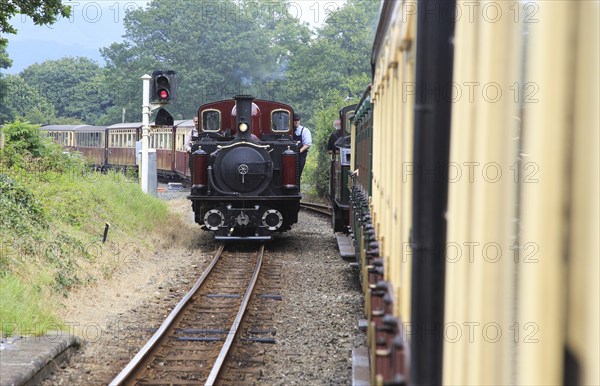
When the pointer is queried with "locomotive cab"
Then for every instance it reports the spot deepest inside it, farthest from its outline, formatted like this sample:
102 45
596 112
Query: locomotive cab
339 192
245 182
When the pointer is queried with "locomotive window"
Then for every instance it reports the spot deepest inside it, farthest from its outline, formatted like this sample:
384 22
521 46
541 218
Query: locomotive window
211 120
349 120
280 120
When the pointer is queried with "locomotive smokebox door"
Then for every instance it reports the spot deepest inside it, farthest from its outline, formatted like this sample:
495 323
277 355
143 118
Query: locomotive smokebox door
247 170
243 105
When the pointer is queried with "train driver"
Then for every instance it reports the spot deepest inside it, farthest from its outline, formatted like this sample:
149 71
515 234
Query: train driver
192 136
304 139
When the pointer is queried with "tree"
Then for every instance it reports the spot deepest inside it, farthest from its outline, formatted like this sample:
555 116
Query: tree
42 12
326 111
22 101
329 73
5 61
218 49
341 51
75 86
24 138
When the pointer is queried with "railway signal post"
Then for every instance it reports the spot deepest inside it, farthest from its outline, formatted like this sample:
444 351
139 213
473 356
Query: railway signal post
163 91
146 110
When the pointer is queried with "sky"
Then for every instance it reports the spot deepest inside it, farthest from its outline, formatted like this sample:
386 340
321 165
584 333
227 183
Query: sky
97 24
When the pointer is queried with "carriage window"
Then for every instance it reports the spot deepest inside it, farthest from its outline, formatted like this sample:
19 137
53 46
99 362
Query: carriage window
211 120
280 120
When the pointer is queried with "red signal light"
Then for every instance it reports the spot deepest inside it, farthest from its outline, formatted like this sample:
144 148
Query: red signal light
163 94
164 87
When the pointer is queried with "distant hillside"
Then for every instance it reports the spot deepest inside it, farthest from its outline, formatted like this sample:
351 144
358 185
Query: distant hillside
28 52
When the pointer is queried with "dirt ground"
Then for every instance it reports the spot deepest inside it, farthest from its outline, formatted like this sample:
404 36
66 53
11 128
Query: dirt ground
317 323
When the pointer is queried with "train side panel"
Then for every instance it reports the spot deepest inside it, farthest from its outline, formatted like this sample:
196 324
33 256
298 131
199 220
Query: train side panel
90 141
519 254
121 145
181 156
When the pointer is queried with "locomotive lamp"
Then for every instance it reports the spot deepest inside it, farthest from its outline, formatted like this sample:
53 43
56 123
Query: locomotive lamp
243 116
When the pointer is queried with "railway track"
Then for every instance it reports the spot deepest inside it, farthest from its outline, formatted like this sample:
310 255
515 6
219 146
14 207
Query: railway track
192 344
316 208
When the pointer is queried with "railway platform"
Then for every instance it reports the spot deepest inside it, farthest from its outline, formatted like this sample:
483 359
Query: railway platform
26 360
360 367
345 246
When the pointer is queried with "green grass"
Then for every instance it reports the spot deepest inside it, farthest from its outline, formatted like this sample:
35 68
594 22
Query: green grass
53 211
57 232
24 309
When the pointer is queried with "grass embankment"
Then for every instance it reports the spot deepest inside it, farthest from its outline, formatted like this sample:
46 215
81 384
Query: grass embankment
53 211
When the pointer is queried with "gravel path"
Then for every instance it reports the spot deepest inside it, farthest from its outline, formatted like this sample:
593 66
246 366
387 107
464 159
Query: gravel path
316 322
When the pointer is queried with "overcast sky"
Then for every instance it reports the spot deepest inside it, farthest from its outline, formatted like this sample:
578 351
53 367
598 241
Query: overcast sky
96 24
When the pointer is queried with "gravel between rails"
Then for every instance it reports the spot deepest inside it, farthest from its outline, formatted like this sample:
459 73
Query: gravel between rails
316 322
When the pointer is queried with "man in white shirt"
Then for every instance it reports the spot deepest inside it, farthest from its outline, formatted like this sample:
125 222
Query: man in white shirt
304 139
192 135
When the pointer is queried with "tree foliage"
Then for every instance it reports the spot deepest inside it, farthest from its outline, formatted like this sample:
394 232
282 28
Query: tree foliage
22 101
5 61
325 113
42 12
75 86
218 49
339 56
25 138
329 73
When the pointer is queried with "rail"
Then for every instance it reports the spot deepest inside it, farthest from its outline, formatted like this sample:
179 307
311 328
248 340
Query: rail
317 208
139 363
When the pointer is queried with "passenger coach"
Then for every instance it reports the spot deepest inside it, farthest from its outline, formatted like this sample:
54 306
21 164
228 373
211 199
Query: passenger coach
475 159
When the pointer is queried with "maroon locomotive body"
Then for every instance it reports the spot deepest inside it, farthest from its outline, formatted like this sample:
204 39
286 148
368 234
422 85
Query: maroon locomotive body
244 169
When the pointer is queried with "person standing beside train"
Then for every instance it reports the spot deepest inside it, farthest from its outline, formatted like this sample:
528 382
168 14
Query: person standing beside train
304 139
192 136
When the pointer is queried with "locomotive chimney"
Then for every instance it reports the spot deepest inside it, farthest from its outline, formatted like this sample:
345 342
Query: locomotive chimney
243 105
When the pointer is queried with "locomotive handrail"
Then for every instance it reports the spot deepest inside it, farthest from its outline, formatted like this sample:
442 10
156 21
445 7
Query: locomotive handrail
243 143
211 184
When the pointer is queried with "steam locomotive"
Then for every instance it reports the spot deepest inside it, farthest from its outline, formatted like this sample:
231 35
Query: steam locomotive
244 169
